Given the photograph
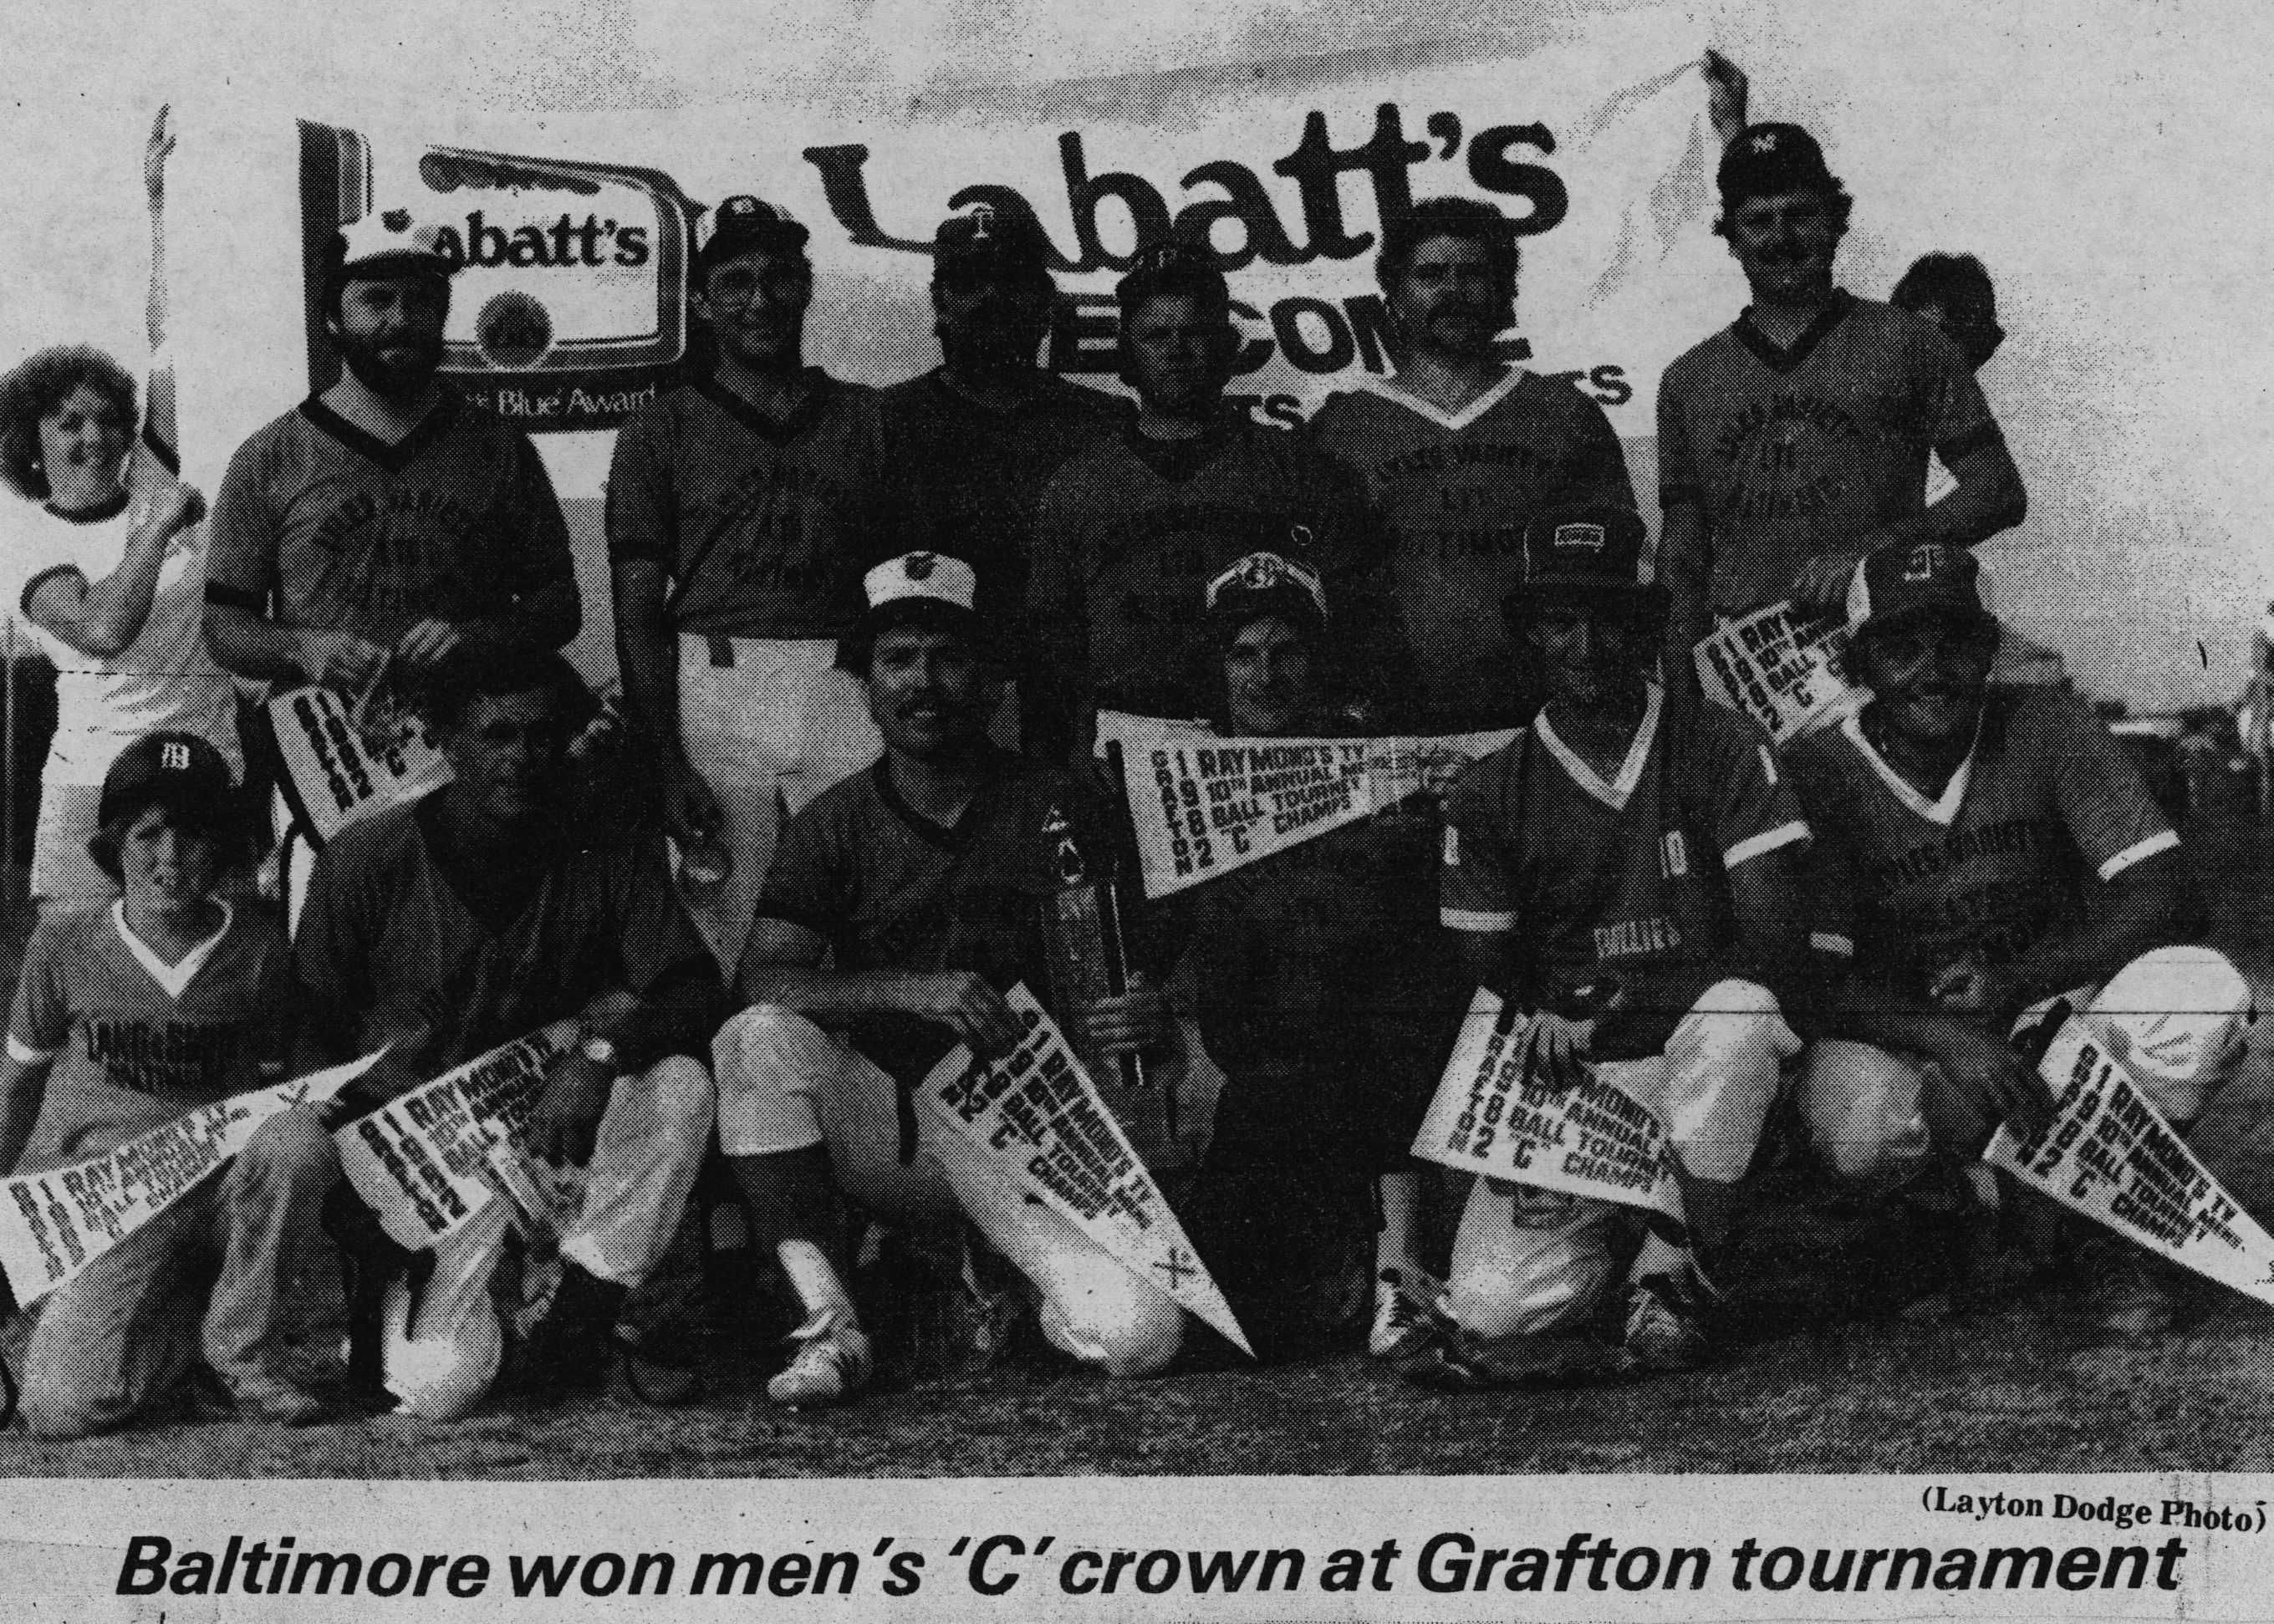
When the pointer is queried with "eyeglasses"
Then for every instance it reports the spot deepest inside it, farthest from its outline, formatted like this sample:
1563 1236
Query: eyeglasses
732 287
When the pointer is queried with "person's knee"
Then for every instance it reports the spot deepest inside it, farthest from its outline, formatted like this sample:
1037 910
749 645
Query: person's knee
291 1150
1511 1280
61 1414
1864 1115
765 1062
2182 1015
678 1101
1724 1066
1131 1333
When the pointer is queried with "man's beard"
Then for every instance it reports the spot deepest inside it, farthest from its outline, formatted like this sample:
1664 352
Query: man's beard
990 351
393 378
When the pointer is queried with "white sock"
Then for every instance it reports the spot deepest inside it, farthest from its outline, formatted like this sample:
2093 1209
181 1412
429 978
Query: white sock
1401 1217
814 1279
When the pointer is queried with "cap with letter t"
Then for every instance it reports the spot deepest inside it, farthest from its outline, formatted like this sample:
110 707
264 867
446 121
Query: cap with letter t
1904 579
990 235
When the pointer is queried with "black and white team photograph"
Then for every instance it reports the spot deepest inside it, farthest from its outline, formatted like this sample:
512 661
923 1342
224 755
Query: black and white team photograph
1007 742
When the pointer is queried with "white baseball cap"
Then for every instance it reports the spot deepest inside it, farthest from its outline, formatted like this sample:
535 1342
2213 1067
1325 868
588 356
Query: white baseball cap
391 242
933 577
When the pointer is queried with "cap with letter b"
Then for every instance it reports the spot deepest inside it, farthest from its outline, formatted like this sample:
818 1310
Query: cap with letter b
179 771
743 223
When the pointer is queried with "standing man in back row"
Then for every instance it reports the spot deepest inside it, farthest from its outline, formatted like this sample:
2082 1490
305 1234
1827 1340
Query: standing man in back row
1459 452
740 508
383 520
1795 440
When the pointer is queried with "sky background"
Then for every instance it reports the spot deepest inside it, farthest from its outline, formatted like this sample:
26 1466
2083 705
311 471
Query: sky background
2108 160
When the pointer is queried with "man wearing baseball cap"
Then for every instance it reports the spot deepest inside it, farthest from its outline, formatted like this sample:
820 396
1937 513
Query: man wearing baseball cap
742 508
1796 439
1996 851
384 519
1627 877
976 439
128 1015
918 882
1136 524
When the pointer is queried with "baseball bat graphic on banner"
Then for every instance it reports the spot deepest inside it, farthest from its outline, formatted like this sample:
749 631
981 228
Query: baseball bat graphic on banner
1081 925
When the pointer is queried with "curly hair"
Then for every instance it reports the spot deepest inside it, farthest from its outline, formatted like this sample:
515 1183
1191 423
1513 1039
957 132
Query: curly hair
35 389
1463 219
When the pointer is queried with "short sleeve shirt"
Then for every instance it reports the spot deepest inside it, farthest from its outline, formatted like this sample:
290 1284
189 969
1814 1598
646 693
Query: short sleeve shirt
2045 804
1617 880
134 1041
345 532
387 952
1452 493
1787 452
888 889
764 526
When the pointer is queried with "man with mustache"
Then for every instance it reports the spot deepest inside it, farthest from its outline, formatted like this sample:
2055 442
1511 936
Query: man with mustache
742 507
977 440
903 904
1459 452
1998 851
384 519
1795 440
1627 877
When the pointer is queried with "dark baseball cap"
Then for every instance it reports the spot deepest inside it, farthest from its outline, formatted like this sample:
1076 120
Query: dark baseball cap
742 222
1592 550
179 771
1268 584
1173 268
1907 579
1767 159
990 235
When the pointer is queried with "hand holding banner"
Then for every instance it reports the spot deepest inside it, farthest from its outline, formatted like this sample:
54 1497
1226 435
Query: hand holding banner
335 773
1781 668
1204 805
1596 1139
54 1224
1038 1115
425 1161
2108 1153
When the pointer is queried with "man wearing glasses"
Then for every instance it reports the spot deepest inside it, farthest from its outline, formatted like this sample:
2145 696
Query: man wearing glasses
741 509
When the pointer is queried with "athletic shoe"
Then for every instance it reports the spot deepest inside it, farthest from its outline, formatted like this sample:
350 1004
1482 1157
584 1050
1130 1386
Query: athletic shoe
659 1367
570 1349
1404 1318
262 1396
832 1362
2134 1299
1666 1326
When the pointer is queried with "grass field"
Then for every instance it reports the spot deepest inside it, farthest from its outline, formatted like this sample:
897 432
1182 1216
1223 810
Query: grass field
1818 1378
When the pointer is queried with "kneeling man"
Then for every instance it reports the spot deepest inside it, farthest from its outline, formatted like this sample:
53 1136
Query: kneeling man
1627 875
922 880
486 911
2001 851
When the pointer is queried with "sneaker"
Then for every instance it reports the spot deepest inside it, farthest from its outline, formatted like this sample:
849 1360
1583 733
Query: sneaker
832 1362
2135 1300
571 1348
1405 1317
1666 1325
659 1368
262 1396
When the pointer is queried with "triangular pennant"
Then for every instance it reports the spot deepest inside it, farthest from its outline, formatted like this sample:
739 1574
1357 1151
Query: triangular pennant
1038 1115
2108 1153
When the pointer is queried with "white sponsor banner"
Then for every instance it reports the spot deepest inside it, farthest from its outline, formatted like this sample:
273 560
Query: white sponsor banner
1781 668
54 1224
1595 1140
342 769
1204 805
2108 1153
426 1161
1037 1113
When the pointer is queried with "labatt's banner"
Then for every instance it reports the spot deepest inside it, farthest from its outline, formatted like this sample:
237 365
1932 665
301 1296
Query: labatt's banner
1782 668
340 768
1204 805
1595 1140
54 1224
427 1161
1038 1115
576 233
2108 1153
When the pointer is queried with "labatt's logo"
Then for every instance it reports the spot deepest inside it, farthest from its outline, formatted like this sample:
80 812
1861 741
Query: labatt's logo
570 302
1315 335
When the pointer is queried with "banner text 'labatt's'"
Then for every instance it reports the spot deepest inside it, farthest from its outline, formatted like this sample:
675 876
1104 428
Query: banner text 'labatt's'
570 306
